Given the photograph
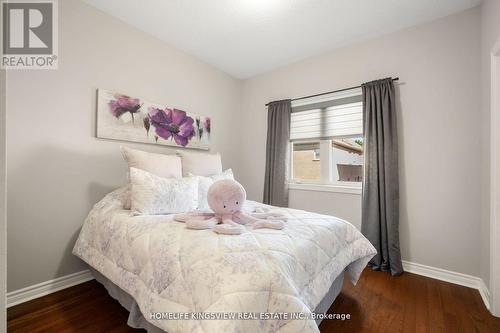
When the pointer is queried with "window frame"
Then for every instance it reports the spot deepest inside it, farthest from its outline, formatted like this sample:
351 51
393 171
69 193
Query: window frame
326 182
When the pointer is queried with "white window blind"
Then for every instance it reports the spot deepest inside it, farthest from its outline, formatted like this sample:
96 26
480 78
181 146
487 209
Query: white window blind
326 119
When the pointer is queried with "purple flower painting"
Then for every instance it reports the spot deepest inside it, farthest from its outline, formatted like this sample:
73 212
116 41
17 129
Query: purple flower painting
199 129
149 122
206 124
172 124
123 104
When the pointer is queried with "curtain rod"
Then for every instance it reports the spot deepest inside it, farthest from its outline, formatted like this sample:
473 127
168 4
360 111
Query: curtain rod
330 92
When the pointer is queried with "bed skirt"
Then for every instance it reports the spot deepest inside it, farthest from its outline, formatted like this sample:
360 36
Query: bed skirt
136 318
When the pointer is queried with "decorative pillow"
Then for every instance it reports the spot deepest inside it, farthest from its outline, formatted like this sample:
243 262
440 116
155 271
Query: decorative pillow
205 182
200 164
166 166
152 195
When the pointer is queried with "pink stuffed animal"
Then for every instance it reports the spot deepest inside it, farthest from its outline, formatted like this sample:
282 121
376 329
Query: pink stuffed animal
226 198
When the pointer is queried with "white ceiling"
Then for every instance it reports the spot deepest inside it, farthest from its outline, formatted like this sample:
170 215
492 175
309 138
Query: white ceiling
248 37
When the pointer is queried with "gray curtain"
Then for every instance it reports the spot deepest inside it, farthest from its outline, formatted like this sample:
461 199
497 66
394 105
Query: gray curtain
278 136
380 216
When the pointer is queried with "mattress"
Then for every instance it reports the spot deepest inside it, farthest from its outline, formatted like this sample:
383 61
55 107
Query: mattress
186 280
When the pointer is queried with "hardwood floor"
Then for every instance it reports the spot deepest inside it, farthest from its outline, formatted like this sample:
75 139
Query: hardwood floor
379 303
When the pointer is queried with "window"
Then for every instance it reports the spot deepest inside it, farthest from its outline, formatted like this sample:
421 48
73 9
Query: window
347 156
326 137
306 161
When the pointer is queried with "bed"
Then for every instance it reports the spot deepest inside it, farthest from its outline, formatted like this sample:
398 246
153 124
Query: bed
172 279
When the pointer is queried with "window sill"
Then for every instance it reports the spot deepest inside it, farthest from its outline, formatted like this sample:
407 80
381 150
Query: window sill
326 188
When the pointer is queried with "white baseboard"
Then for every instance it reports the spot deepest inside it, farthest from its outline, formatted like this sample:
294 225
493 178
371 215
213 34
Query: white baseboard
47 287
485 294
452 277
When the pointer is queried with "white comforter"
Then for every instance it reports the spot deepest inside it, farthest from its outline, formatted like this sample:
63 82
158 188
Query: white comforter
167 268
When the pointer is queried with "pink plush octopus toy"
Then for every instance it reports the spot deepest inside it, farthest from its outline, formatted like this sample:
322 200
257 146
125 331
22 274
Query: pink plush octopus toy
226 198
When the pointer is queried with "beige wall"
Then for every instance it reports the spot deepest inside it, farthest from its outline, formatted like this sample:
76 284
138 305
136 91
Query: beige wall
439 126
57 169
490 33
342 205
3 224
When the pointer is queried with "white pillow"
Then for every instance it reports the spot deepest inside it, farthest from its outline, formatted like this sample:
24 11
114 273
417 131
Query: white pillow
200 164
205 182
152 195
166 166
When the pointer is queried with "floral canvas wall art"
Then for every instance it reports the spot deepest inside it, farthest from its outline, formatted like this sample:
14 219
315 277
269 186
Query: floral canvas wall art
127 118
